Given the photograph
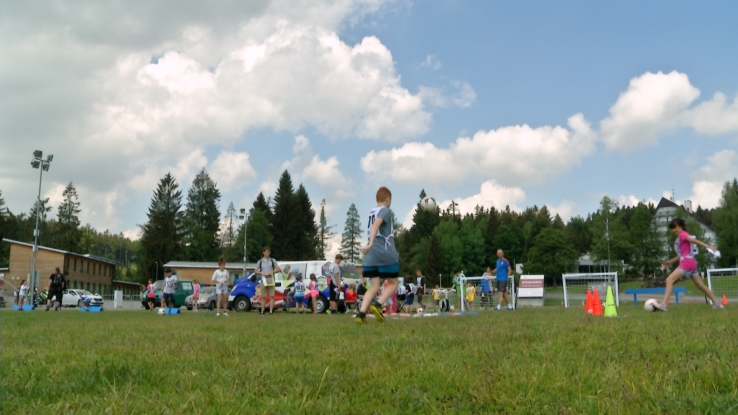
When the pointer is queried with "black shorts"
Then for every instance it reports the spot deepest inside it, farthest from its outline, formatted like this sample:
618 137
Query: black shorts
167 296
332 293
383 271
502 286
420 297
55 292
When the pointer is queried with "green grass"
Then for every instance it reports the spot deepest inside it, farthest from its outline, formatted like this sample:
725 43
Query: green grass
549 360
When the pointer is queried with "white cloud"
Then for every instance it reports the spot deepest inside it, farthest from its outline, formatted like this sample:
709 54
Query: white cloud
565 209
515 155
658 103
325 172
491 194
232 170
714 117
463 95
431 61
133 234
710 178
268 188
128 103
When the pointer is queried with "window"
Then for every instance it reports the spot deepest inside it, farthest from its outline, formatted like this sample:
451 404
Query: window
75 264
105 272
88 267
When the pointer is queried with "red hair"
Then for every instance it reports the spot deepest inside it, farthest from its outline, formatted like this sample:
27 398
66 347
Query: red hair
383 194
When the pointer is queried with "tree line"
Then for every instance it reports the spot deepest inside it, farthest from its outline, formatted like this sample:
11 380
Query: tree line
438 242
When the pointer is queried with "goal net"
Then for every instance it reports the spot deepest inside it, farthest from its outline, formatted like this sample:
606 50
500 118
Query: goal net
723 282
480 293
576 286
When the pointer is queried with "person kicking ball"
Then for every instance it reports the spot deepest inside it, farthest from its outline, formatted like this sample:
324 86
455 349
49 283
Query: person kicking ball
686 248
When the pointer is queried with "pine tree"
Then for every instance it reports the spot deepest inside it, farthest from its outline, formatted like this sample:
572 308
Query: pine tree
264 205
45 236
229 233
67 232
285 223
202 220
324 232
725 220
162 234
351 238
309 235
423 222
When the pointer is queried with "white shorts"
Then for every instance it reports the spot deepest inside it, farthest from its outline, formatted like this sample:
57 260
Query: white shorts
220 291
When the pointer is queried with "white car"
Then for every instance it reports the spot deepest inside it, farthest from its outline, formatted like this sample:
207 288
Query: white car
73 298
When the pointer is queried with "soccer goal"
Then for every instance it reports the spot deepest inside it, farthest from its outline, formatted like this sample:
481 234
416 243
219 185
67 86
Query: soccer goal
723 281
485 293
576 286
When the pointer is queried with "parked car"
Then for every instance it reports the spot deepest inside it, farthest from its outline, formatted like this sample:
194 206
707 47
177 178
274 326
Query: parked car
208 298
73 298
182 290
245 294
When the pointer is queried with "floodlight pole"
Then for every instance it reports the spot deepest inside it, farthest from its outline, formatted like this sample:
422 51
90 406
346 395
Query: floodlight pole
41 165
245 255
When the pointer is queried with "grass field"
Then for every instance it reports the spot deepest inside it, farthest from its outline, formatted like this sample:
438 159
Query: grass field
547 361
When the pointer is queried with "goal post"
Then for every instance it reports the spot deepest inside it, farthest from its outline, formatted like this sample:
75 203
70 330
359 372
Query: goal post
485 293
576 286
723 281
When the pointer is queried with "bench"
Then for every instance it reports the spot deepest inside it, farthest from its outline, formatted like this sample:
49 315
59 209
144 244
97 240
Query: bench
658 290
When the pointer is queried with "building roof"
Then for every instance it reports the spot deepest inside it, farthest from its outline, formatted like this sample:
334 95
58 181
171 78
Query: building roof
207 265
664 203
93 257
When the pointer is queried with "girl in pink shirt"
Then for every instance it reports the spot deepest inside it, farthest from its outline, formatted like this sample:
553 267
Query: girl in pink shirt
686 248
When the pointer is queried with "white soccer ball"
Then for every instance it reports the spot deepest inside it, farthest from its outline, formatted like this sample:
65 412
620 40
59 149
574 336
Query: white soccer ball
650 305
428 203
161 311
420 311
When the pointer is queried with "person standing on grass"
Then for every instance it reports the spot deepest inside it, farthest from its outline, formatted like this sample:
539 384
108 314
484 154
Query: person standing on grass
266 267
314 292
170 283
220 278
22 293
299 293
195 295
409 296
381 260
502 270
57 285
437 297
486 289
151 294
336 285
686 248
421 287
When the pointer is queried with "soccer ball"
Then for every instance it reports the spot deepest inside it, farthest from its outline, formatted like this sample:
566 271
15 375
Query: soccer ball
650 305
420 311
161 311
428 203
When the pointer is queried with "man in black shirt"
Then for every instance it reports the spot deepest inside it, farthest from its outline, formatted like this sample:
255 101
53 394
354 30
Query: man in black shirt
57 285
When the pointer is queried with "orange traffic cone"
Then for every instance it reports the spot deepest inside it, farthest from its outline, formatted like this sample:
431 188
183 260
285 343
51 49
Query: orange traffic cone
725 299
597 306
590 301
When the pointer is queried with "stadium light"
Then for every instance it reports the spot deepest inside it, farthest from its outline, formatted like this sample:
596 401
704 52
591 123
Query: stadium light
243 217
44 165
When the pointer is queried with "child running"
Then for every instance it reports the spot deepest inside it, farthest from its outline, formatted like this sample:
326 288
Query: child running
686 248
151 295
195 295
381 260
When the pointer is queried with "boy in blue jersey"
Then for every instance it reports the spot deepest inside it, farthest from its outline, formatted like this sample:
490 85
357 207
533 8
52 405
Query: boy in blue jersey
502 270
381 260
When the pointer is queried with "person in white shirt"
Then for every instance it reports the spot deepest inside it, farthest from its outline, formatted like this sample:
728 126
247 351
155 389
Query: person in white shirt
336 285
220 278
22 293
266 267
170 286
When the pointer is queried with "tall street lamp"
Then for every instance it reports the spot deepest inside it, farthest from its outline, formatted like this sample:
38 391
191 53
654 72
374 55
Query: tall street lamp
243 217
42 165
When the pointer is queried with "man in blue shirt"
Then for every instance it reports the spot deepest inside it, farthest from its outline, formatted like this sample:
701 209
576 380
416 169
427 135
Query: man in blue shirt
502 270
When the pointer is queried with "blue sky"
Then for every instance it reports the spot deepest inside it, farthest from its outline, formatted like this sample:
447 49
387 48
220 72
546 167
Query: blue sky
619 98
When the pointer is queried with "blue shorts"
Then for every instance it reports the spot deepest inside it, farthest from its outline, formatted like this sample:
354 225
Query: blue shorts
409 299
299 298
382 271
